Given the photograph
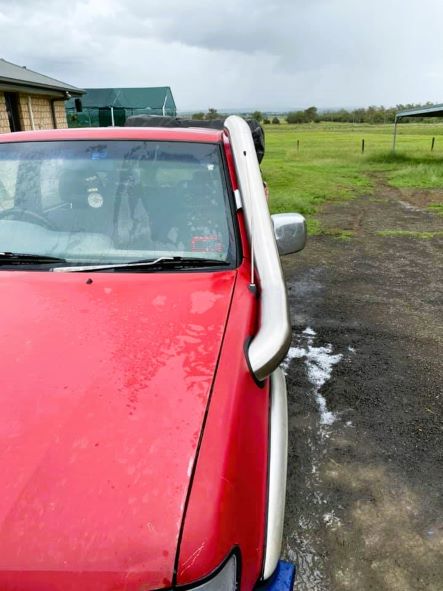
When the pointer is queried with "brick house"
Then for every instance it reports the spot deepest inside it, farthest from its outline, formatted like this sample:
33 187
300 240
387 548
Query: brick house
29 100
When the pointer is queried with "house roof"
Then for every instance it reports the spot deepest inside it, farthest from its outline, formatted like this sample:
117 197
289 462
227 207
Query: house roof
21 78
430 111
129 98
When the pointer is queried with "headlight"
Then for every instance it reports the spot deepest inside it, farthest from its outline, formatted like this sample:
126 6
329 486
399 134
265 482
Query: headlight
224 580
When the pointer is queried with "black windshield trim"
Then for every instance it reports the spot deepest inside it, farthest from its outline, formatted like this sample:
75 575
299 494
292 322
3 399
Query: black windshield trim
238 255
19 258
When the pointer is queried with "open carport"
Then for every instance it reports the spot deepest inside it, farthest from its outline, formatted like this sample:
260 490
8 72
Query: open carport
430 111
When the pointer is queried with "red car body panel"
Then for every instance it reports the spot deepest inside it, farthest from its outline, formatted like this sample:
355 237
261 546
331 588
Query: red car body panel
229 491
104 391
133 435
116 133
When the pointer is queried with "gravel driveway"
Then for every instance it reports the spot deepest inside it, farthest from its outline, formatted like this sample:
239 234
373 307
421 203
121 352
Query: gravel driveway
364 508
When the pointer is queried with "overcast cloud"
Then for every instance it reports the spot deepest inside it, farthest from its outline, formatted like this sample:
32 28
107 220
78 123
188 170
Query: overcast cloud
274 54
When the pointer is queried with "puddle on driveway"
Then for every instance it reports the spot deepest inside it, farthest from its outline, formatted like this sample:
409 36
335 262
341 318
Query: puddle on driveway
352 523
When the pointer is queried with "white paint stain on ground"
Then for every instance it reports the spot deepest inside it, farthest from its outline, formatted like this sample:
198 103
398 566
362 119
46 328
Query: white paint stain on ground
317 512
331 520
319 362
309 332
409 206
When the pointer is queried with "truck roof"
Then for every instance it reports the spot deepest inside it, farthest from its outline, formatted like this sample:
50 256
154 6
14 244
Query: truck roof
190 134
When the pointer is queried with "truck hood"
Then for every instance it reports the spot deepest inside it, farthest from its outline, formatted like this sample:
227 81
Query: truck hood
104 387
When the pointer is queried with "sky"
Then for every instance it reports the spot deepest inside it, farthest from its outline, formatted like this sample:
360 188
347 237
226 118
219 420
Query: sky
236 54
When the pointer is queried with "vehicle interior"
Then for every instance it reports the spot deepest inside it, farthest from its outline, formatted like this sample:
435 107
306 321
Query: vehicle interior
109 202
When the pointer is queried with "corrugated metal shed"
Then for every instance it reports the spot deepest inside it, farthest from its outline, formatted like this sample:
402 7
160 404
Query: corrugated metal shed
430 111
21 79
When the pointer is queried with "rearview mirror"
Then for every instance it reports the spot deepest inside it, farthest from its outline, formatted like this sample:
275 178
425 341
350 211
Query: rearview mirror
290 232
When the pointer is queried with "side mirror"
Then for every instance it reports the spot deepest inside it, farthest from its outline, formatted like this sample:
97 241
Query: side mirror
290 232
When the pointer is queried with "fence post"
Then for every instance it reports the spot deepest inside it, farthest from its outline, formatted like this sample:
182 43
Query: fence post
394 140
298 145
363 146
432 144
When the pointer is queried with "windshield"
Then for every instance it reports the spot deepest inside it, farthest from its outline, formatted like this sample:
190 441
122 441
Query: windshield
104 202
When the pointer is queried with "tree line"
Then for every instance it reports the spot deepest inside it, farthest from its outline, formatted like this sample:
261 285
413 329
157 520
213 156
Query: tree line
212 114
372 114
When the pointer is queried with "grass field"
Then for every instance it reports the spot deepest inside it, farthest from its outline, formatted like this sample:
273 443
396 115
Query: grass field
329 164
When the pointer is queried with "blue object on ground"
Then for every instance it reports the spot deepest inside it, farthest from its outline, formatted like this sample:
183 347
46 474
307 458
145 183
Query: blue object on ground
282 579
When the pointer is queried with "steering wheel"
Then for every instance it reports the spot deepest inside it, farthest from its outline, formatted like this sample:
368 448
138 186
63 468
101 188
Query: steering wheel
16 213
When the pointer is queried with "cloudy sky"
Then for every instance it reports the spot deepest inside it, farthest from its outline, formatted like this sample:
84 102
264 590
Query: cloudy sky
264 54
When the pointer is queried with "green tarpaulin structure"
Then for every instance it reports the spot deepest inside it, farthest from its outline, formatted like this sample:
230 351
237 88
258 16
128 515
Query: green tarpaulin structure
105 107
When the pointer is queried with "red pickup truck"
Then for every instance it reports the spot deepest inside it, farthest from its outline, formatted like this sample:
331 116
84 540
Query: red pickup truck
143 314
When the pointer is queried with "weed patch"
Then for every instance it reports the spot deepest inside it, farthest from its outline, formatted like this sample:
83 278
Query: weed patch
410 234
436 208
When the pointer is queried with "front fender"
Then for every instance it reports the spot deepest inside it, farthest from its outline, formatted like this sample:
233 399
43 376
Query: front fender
227 504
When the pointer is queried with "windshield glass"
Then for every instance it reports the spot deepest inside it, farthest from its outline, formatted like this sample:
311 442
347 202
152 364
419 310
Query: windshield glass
114 201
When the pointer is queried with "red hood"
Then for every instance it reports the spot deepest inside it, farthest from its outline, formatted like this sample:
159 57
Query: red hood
104 387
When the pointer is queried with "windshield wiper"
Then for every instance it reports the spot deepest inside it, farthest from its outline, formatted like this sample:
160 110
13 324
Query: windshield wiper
22 258
160 263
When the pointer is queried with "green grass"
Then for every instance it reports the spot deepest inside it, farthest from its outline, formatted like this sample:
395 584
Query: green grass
410 234
436 208
418 175
335 233
329 165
